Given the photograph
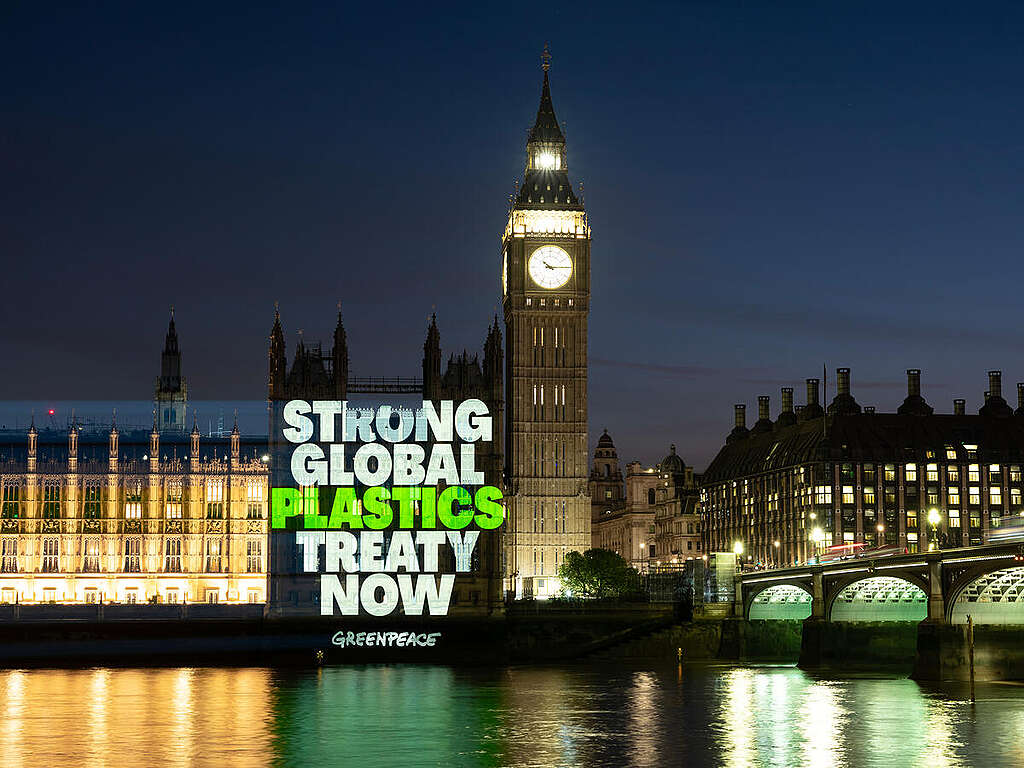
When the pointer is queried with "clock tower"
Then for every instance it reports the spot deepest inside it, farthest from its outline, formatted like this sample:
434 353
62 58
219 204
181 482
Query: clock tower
545 268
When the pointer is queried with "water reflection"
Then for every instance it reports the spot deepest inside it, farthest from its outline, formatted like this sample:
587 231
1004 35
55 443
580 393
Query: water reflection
569 716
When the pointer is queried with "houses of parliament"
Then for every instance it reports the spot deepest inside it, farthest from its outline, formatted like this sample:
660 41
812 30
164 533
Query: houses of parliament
168 515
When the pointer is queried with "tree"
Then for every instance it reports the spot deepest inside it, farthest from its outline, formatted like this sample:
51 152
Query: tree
596 573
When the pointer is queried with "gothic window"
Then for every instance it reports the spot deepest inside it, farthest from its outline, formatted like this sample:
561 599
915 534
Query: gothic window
172 556
11 502
254 499
133 500
9 555
92 505
215 499
132 554
253 556
172 507
51 555
213 563
91 555
51 501
650 496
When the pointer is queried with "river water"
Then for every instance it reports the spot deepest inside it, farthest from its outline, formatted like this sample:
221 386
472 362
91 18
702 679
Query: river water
581 715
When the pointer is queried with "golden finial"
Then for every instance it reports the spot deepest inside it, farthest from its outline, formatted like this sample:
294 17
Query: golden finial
546 58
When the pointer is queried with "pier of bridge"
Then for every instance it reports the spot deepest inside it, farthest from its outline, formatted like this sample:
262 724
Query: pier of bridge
914 605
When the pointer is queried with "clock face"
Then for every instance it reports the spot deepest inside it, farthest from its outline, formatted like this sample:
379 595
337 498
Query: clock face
504 272
550 267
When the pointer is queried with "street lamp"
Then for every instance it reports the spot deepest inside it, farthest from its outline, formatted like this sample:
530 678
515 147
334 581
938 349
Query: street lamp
818 537
881 532
776 544
737 548
934 518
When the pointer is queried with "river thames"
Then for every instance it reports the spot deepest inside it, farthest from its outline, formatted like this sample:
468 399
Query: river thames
579 715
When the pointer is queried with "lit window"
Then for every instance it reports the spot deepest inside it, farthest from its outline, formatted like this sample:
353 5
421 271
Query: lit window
9 555
910 473
213 556
51 502
51 555
172 559
254 556
91 556
132 555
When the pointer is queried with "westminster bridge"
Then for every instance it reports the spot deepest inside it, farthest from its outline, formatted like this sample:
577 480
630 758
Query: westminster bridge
864 609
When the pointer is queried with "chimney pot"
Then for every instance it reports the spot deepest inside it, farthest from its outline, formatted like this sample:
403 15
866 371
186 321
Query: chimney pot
913 382
843 381
764 407
741 415
959 407
1020 394
869 409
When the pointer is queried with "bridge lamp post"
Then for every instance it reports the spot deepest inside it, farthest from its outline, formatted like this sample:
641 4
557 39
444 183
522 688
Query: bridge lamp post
818 537
776 544
881 532
934 518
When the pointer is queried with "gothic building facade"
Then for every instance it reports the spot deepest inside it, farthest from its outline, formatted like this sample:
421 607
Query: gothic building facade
318 375
115 515
545 271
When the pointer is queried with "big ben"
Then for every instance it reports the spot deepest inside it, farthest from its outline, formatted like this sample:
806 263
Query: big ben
545 269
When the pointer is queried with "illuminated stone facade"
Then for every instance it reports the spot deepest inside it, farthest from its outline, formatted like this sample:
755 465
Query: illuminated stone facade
656 522
115 516
546 286
815 479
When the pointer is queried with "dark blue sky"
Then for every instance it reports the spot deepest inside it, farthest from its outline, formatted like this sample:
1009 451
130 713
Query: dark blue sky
771 187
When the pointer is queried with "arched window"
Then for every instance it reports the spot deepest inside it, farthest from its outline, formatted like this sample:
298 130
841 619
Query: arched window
650 495
607 470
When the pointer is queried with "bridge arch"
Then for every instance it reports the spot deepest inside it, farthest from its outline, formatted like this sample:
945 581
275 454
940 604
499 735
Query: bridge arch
996 597
879 598
780 602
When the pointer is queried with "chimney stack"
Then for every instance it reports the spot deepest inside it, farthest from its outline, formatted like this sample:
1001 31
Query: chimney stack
869 409
995 383
1020 397
740 430
786 415
914 405
843 381
787 397
913 382
812 391
843 403
764 420
959 407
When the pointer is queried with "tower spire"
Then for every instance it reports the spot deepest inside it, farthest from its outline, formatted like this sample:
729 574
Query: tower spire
546 58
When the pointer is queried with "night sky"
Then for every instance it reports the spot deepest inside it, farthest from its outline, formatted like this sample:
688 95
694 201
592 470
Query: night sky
771 189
